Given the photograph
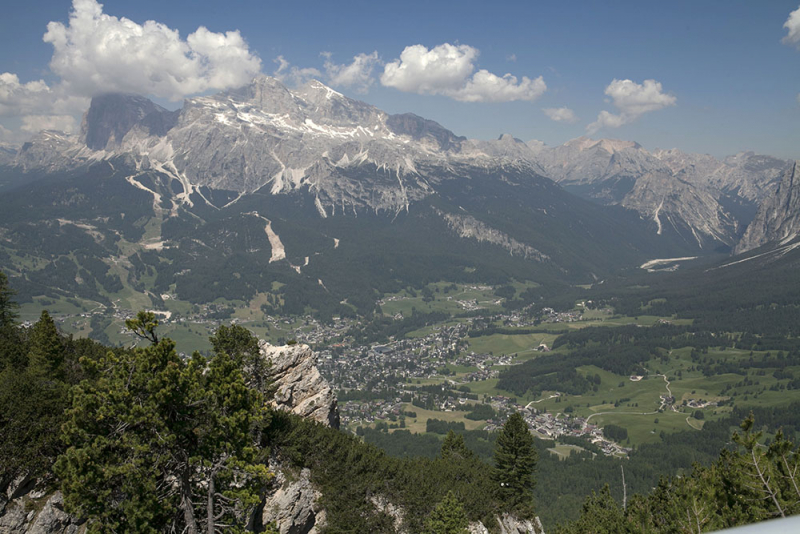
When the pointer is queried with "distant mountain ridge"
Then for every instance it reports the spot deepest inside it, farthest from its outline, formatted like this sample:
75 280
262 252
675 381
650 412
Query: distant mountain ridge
778 217
265 135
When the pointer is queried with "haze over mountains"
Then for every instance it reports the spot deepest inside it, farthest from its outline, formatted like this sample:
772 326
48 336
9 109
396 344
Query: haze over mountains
208 178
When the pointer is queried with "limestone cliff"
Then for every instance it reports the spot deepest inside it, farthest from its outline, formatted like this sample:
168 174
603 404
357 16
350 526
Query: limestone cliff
778 217
292 503
300 388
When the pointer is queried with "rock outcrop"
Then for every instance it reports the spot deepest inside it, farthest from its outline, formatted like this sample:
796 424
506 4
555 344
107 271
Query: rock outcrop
778 217
38 514
511 525
293 504
300 388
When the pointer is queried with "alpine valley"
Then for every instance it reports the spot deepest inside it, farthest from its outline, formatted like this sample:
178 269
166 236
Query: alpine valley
404 284
317 202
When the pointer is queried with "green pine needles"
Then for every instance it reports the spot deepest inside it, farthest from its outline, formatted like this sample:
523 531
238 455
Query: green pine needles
157 443
515 460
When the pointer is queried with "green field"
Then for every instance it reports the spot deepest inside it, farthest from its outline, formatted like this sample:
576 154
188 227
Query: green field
519 344
564 451
418 424
405 302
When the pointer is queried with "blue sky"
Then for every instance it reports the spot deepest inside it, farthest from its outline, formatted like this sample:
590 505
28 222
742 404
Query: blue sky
725 75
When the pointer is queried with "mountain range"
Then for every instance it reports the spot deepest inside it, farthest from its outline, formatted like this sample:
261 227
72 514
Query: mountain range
276 184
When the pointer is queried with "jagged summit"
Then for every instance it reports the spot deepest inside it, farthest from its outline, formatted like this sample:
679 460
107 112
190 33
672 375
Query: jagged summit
111 116
609 145
778 218
268 137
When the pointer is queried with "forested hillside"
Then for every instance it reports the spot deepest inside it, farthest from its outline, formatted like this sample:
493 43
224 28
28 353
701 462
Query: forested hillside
135 421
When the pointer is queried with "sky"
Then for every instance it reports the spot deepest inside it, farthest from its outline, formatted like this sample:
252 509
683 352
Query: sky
715 77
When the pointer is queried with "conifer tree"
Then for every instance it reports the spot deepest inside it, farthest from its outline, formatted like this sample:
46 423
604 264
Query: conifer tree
448 517
600 515
454 448
12 354
158 443
45 350
241 345
515 460
8 306
33 398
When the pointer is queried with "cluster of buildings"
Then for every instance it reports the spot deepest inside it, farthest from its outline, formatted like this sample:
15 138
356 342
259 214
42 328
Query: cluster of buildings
550 426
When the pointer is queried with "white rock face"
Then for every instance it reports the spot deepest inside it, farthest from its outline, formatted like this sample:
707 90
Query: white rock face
352 157
679 192
300 388
468 227
511 525
293 504
778 218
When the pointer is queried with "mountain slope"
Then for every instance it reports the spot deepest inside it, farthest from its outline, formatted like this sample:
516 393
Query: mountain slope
335 202
778 217
267 135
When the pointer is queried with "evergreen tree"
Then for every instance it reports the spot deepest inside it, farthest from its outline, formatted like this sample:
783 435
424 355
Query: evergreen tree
448 517
8 306
144 326
454 448
158 443
600 515
32 403
45 350
515 460
241 345
12 353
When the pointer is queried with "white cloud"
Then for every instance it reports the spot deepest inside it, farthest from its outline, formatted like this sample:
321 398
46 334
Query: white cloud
561 115
512 58
18 99
487 87
96 53
632 100
792 24
293 75
6 135
357 74
448 70
37 123
37 104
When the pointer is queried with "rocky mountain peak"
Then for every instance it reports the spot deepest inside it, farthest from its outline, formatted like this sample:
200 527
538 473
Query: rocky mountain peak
113 115
778 217
419 128
508 138
609 145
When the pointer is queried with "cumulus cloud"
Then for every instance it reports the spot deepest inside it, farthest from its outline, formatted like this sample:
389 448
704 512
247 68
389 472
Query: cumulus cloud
37 123
561 115
792 24
6 135
357 74
449 70
37 104
632 100
289 74
96 53
18 99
